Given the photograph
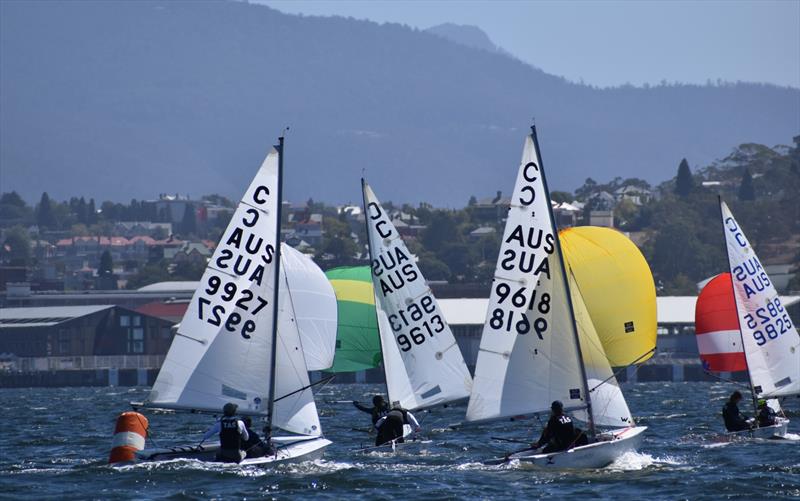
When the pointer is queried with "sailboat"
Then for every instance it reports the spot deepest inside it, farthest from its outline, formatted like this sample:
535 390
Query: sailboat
239 340
769 340
531 350
423 364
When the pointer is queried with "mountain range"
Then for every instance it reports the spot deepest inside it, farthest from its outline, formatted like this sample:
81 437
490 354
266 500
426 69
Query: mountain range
122 100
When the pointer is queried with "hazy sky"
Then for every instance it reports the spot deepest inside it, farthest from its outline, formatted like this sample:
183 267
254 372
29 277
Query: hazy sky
613 42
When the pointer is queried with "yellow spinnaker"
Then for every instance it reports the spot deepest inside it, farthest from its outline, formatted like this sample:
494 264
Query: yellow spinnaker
617 286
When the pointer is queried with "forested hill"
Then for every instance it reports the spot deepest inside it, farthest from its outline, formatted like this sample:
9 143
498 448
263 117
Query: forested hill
127 100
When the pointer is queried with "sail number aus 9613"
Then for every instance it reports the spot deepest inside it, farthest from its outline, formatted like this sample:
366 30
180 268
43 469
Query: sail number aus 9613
769 322
226 291
519 323
410 317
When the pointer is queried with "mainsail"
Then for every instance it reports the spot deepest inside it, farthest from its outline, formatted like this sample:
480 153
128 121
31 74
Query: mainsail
357 344
528 354
771 342
716 323
223 349
617 285
423 363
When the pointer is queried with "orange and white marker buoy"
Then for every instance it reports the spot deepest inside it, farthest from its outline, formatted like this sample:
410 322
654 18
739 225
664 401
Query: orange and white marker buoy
129 437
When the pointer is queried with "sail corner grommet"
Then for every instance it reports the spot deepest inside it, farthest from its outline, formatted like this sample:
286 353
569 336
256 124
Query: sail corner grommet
439 355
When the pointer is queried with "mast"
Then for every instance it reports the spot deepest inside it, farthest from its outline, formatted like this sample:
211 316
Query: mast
276 285
736 305
566 285
374 296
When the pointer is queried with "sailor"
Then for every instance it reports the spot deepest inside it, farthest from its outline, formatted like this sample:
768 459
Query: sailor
559 433
232 435
254 447
734 420
378 410
390 426
766 414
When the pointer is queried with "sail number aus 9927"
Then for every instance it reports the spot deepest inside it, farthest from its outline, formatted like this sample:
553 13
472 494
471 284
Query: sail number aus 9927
412 315
773 318
227 291
505 320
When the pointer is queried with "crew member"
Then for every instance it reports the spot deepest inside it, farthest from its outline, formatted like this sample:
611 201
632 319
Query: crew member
734 420
766 414
232 435
379 408
390 426
254 447
559 433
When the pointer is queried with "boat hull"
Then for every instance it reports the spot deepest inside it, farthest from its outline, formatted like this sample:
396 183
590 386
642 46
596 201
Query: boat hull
597 455
777 430
289 450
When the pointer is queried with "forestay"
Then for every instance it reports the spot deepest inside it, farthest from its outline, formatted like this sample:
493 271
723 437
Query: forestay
608 404
771 342
424 365
221 352
528 355
314 302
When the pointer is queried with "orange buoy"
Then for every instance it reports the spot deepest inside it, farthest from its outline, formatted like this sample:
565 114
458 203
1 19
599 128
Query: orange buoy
129 436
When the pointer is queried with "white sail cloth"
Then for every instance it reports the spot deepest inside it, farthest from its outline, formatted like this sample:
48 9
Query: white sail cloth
423 363
528 355
222 350
771 342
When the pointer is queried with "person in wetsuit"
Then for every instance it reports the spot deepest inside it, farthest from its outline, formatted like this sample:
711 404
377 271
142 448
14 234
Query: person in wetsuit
232 434
254 447
766 414
734 420
379 408
390 426
559 433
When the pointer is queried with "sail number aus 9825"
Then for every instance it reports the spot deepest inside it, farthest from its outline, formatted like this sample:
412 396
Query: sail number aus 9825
508 321
769 322
226 291
410 317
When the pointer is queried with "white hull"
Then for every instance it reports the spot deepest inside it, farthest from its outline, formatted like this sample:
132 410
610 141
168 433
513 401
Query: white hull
775 431
290 450
597 455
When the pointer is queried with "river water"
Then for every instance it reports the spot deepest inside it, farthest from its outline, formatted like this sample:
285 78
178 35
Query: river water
54 444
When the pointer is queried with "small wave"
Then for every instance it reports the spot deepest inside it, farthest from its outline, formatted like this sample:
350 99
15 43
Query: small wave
792 437
633 461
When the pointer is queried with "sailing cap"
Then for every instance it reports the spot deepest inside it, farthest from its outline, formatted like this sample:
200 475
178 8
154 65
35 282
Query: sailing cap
229 409
557 405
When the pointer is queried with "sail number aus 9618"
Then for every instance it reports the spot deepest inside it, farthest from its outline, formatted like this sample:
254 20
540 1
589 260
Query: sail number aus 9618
410 317
519 323
769 322
226 291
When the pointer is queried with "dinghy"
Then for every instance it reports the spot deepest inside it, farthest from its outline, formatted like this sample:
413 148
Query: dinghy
753 321
539 343
240 339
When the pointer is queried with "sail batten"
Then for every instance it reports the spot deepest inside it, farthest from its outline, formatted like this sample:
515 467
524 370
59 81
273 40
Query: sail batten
422 362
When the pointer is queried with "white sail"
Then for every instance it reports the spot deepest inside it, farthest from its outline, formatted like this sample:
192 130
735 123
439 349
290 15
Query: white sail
315 307
608 404
418 335
222 350
771 342
528 355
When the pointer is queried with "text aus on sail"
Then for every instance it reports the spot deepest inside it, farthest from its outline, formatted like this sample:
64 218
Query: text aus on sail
225 300
419 319
524 259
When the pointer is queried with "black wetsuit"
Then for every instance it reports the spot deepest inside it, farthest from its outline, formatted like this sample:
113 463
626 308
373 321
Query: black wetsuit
392 427
375 412
254 446
734 420
559 434
766 416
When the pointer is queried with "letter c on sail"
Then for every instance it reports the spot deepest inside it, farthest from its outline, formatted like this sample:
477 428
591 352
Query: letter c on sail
378 213
525 171
529 190
252 222
261 191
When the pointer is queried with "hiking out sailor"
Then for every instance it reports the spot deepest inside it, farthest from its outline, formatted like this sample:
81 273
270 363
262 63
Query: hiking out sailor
766 414
390 426
254 447
232 435
734 420
559 433
379 408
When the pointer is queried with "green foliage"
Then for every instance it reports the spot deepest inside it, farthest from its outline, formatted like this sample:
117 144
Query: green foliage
746 190
561 196
44 213
106 268
14 210
684 183
17 247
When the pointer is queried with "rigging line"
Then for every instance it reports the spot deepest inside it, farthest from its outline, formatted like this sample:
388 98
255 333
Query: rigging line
638 366
321 381
726 380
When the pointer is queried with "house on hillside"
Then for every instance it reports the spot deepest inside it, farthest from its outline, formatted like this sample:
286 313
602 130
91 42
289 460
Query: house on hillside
491 210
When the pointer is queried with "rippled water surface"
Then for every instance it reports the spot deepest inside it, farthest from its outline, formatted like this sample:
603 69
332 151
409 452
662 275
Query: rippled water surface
54 444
